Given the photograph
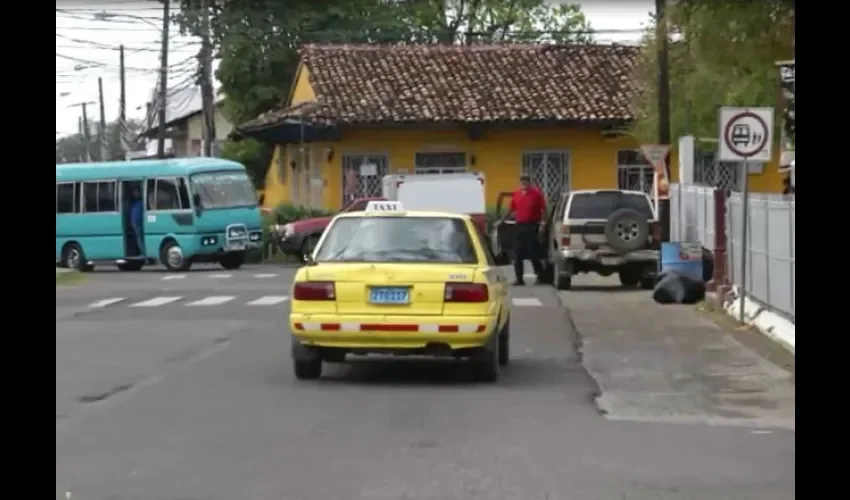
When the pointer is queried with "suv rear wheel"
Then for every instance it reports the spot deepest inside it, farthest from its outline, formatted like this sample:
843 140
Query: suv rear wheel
562 281
630 277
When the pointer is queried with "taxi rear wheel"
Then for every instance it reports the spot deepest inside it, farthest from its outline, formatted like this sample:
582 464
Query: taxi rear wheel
487 361
308 369
505 344
306 362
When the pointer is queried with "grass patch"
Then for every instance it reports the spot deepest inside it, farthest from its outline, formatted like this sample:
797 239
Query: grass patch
70 278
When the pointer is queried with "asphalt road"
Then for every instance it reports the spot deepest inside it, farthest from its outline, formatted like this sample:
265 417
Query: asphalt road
182 388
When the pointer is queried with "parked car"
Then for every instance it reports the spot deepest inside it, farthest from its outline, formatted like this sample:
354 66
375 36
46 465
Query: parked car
601 231
300 237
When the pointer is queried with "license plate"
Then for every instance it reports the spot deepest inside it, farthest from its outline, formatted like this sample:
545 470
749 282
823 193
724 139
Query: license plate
235 246
610 261
389 295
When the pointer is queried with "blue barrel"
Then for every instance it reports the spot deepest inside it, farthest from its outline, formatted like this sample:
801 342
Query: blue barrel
683 257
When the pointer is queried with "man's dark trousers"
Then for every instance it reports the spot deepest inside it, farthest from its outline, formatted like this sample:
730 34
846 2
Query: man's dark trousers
527 246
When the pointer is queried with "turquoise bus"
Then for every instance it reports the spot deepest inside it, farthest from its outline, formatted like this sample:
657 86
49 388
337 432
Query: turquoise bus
193 210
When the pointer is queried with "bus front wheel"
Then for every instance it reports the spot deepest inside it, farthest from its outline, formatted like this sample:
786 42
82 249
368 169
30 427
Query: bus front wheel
74 258
232 260
171 256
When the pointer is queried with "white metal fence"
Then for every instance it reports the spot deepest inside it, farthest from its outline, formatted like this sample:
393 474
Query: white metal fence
768 248
692 214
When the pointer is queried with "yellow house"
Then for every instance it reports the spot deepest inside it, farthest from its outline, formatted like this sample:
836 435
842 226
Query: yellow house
359 112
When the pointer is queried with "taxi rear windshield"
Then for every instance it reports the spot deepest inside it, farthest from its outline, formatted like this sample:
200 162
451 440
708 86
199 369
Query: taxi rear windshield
398 239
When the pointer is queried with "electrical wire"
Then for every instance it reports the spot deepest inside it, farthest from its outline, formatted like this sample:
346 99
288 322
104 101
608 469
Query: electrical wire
101 64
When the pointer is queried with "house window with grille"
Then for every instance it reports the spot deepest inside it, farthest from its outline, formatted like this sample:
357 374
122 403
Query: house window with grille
362 175
549 171
440 163
634 172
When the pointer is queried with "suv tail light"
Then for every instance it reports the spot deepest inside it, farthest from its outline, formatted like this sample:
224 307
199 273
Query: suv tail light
466 292
655 231
314 290
565 235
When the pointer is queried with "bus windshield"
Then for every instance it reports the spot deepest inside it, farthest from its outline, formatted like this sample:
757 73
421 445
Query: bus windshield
224 189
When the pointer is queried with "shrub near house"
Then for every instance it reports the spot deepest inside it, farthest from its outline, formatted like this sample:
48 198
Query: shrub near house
299 228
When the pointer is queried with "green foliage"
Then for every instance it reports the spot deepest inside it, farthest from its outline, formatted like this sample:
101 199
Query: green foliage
253 154
287 212
725 56
257 40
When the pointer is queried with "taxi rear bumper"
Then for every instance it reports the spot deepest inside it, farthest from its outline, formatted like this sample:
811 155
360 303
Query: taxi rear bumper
391 333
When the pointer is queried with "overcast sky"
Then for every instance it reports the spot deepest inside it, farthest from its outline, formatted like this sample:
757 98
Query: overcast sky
87 48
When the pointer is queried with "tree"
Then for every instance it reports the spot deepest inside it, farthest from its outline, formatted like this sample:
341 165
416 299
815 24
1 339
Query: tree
257 40
253 154
72 148
723 53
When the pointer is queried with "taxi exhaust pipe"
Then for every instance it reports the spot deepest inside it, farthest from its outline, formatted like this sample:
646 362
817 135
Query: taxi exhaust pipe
438 349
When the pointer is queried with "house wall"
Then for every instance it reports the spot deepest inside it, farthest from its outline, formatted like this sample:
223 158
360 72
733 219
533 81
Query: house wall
195 127
498 155
317 179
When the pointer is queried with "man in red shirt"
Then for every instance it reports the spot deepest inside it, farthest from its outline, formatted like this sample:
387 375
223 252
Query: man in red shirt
529 208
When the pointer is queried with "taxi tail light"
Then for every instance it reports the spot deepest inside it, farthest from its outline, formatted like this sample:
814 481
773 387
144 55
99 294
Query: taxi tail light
467 292
565 235
314 290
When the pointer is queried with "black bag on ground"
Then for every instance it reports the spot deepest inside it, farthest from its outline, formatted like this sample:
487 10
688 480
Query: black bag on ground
677 288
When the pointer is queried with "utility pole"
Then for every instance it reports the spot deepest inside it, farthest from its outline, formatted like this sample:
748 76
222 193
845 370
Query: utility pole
81 135
207 94
84 125
663 107
163 80
101 128
122 104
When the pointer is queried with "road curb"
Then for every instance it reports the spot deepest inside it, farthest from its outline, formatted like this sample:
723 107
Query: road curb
769 323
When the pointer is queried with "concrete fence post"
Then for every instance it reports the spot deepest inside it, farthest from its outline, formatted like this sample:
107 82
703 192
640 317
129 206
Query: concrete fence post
720 280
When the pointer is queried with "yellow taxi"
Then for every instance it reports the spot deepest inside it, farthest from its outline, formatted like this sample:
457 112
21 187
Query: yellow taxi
390 281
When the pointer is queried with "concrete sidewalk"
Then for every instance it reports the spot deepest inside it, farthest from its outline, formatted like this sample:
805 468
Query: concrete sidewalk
676 364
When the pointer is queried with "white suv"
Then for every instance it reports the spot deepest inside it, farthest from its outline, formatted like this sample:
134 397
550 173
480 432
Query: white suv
606 232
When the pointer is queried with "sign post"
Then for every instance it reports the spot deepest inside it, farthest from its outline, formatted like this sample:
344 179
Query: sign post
656 155
746 135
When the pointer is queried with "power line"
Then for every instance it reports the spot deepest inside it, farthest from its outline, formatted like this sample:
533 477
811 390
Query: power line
102 64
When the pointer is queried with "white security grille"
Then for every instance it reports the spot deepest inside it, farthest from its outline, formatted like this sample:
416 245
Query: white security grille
549 171
440 170
634 172
440 163
362 175
721 175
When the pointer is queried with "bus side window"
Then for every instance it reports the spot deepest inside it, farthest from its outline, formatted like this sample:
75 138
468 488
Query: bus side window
168 195
99 196
90 197
68 198
150 201
107 196
185 199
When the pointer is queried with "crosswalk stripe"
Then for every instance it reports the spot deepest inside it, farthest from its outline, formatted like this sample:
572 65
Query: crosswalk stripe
526 302
265 275
156 301
268 300
217 276
105 302
212 301
173 277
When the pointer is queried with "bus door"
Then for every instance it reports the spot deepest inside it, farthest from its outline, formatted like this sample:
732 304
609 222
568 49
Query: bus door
168 210
132 191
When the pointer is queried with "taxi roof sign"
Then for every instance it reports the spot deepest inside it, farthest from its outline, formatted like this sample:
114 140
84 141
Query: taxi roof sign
384 206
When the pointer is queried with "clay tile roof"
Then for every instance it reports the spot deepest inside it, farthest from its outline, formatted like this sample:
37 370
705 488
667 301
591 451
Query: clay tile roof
314 112
478 83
